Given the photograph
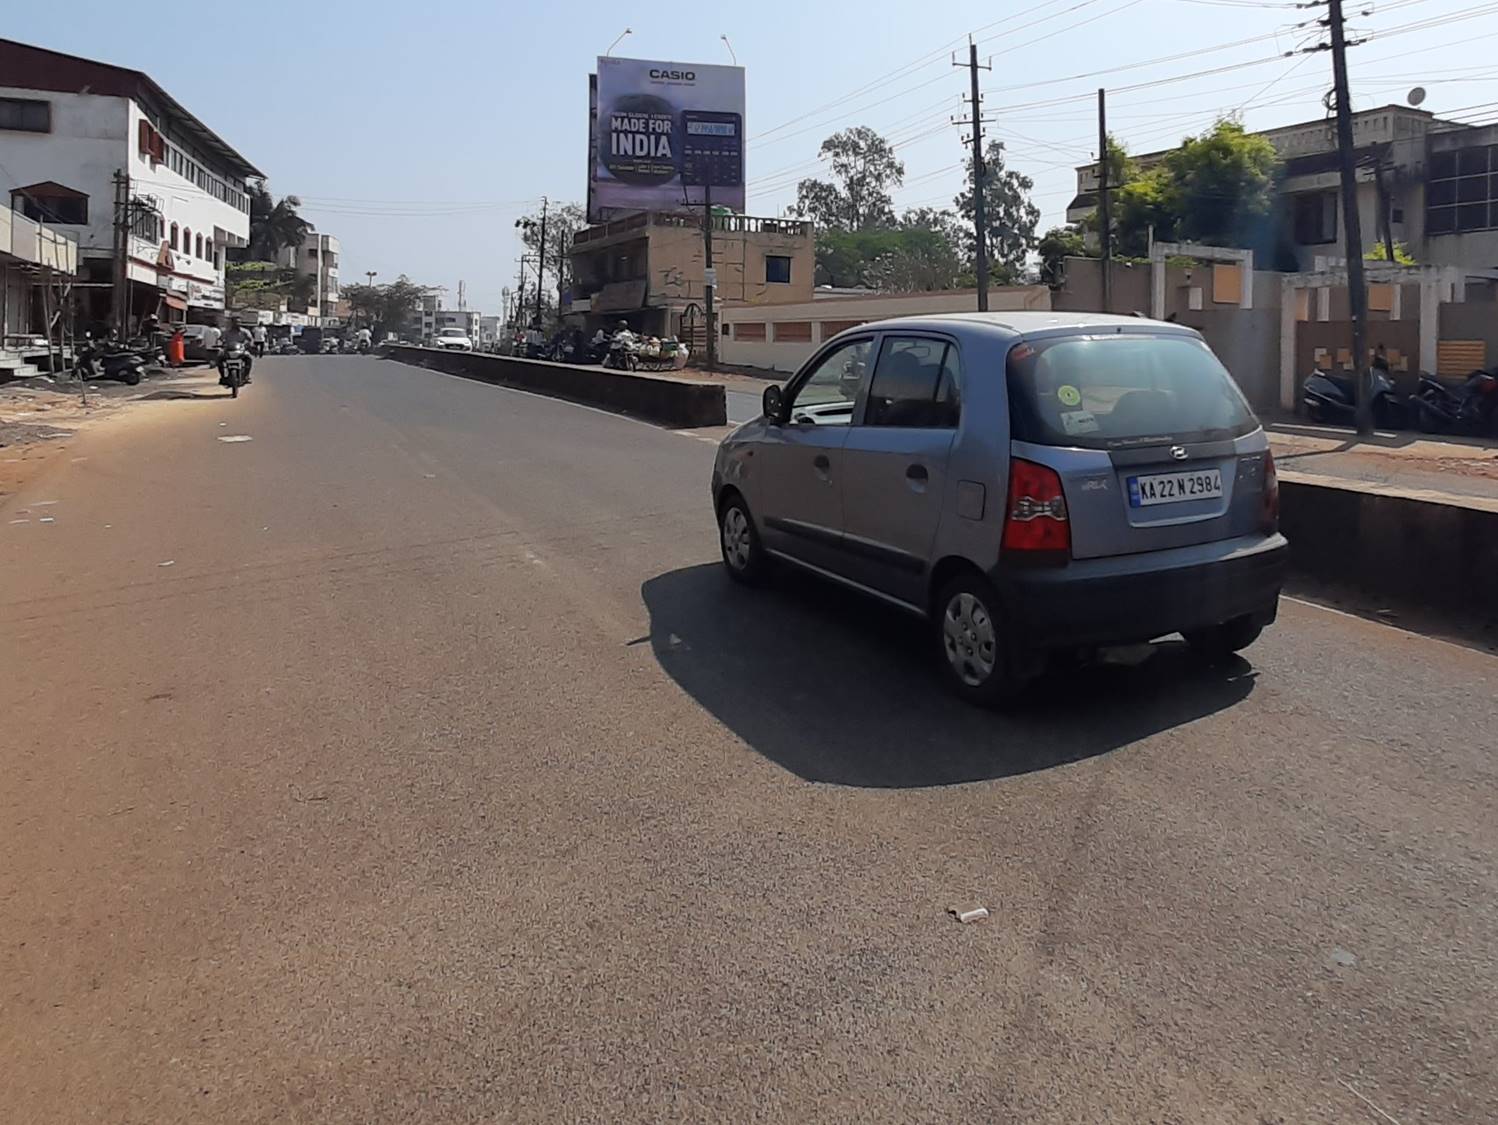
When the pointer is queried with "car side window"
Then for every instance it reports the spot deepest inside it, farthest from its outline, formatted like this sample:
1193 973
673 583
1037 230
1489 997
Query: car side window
827 396
916 385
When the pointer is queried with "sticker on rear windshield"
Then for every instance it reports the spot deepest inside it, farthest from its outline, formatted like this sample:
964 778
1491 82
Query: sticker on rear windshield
1078 421
1069 395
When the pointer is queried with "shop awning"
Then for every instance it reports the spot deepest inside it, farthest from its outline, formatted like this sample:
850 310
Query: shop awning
172 301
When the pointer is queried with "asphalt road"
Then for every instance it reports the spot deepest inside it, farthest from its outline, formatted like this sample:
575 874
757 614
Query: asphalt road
412 761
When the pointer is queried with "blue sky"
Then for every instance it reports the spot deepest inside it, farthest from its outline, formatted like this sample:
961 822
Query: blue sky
417 133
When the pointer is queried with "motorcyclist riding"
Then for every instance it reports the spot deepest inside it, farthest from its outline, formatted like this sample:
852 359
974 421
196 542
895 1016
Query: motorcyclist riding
232 337
363 339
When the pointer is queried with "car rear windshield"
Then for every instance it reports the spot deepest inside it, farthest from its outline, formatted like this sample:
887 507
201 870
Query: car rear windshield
1119 390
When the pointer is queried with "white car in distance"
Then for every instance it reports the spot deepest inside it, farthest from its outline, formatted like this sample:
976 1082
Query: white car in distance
452 339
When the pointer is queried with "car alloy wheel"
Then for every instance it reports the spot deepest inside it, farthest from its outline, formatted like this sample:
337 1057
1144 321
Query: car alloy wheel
738 538
969 638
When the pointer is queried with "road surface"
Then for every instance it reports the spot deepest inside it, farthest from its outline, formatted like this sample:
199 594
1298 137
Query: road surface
412 761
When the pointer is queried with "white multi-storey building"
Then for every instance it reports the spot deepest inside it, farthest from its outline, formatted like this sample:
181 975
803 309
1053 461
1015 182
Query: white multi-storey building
317 258
78 139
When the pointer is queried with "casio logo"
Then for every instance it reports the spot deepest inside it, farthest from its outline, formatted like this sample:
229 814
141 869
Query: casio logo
675 75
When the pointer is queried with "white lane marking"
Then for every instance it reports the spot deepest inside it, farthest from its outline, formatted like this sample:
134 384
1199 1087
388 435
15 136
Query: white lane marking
46 519
169 562
23 520
1385 625
235 437
43 503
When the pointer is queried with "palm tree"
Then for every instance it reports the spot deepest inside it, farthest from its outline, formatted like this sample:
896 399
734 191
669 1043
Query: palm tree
274 224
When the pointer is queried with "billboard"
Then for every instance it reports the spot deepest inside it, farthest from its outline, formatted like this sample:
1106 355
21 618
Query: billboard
663 134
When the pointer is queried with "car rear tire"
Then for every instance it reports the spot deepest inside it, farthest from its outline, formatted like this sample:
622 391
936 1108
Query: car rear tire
976 655
1219 642
743 555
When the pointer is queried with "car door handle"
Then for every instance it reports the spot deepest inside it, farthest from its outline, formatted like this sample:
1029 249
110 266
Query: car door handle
917 472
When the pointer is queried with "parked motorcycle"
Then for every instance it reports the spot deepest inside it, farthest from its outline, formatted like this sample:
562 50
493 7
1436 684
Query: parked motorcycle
235 366
1333 398
108 359
1470 409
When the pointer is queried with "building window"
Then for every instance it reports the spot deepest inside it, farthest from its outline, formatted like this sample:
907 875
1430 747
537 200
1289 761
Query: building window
749 330
1462 194
777 269
174 236
793 331
51 206
186 241
198 247
1316 218
25 115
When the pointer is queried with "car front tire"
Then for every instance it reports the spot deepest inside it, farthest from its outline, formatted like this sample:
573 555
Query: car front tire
743 555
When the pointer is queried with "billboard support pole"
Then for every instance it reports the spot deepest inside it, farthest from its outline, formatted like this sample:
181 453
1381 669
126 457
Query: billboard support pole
707 249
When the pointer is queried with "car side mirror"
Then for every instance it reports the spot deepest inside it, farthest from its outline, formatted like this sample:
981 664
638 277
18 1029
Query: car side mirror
773 402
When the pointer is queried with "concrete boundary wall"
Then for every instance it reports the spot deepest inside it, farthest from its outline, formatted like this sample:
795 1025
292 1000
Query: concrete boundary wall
1400 546
678 403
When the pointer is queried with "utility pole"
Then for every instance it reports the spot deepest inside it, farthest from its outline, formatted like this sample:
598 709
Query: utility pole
515 313
709 274
980 175
119 312
1357 290
1105 222
541 258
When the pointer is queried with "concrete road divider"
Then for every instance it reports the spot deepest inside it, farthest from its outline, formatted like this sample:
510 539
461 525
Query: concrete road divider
1402 546
678 402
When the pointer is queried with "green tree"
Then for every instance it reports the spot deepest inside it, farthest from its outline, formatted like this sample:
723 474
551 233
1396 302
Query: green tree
1054 247
864 171
274 223
1218 188
1011 217
563 221
386 308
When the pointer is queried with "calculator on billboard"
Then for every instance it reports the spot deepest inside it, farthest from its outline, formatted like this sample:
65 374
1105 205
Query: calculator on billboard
712 148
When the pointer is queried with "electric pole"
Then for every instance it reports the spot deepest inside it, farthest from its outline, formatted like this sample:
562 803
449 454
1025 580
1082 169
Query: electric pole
1357 291
541 258
980 176
709 274
119 312
1105 223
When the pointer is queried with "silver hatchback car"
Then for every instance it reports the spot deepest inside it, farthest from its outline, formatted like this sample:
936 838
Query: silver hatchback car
1034 483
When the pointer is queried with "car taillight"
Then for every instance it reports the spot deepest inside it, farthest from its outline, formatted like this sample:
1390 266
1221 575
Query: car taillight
1269 518
1036 517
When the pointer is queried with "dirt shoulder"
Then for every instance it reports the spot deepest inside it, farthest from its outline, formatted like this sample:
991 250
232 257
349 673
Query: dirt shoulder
39 416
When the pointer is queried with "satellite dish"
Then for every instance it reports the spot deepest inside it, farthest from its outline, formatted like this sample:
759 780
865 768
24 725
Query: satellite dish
1417 95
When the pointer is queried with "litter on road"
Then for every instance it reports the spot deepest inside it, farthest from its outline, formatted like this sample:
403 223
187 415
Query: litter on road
236 437
977 914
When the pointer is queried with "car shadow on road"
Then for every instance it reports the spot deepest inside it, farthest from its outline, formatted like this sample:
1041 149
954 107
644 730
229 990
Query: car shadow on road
838 689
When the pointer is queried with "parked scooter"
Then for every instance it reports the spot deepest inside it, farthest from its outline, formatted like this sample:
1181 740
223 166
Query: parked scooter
1333 398
108 359
1470 409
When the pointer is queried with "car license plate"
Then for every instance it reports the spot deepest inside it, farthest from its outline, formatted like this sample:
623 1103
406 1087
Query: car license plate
1173 488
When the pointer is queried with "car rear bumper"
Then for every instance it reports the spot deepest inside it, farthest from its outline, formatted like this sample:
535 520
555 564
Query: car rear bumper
1134 598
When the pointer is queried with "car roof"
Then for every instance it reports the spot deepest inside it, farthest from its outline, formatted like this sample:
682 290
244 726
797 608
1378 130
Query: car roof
1027 322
